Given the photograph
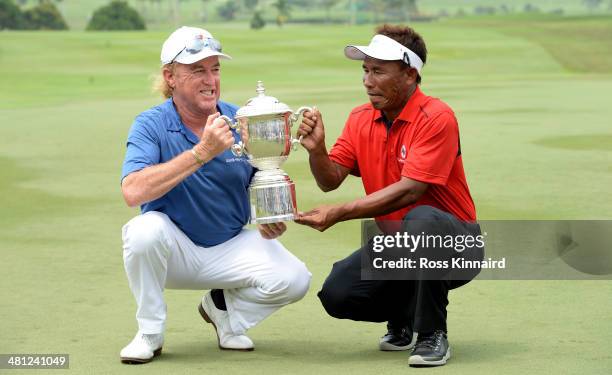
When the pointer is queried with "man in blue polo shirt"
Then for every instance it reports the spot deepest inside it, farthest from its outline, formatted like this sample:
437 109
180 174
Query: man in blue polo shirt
193 194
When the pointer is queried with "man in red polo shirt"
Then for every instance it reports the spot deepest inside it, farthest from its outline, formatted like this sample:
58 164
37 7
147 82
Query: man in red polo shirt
405 147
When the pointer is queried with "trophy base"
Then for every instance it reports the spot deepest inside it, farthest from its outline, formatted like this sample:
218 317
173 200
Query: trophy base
272 197
273 219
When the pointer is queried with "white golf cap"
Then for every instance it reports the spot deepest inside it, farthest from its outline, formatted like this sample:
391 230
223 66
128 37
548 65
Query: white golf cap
187 45
382 47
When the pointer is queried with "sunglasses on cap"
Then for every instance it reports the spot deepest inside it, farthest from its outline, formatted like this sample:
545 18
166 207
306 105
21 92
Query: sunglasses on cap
197 44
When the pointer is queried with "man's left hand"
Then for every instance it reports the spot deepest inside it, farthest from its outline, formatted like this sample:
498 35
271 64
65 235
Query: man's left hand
320 218
271 230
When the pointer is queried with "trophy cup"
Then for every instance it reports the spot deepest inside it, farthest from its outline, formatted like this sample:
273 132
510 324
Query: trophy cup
265 124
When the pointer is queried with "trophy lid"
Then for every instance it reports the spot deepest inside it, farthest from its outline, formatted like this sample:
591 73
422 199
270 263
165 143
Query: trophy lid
262 105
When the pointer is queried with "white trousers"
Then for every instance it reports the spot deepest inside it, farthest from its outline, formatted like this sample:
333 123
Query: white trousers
258 276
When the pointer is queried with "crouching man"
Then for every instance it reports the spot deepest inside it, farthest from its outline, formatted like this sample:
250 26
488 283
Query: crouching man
405 147
193 194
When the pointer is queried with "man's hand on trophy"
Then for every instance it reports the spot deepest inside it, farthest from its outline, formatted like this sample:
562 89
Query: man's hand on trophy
319 218
272 230
312 129
217 136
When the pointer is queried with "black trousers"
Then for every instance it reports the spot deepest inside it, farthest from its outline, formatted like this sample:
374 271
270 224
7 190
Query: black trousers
420 304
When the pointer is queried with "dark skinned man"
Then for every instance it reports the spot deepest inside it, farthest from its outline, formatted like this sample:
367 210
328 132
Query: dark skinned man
405 147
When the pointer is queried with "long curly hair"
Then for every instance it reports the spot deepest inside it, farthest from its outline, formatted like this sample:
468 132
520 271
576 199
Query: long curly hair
159 83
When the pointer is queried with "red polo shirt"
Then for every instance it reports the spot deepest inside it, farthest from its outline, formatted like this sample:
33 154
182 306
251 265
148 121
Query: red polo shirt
422 144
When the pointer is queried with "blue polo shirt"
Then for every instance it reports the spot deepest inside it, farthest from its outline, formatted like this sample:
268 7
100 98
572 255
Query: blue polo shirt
210 206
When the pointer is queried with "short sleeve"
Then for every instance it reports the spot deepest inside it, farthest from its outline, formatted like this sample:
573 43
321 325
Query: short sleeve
433 151
343 151
143 148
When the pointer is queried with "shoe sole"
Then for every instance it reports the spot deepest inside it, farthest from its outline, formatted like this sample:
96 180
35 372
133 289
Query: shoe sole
418 361
208 320
386 347
140 361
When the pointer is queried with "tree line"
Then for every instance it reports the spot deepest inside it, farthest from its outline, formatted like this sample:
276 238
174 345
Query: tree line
121 15
43 16
282 11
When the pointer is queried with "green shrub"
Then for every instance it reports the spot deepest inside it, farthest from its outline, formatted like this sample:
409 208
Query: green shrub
10 15
228 10
117 15
257 22
44 16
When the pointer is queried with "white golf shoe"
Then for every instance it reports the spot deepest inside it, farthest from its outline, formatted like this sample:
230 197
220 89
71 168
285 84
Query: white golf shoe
226 338
142 349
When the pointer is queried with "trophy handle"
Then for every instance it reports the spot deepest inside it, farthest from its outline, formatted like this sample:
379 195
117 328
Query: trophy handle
294 117
235 126
237 148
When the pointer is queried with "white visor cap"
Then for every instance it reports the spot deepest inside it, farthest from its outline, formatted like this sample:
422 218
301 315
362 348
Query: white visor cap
187 45
382 47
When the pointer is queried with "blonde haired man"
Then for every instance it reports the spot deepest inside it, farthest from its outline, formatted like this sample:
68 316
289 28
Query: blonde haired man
193 196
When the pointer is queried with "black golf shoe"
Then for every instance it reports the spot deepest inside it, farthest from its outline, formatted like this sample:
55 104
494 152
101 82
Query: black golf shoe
397 339
431 349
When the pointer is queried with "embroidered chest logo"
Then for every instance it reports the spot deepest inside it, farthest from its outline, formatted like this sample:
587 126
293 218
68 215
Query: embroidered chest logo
403 152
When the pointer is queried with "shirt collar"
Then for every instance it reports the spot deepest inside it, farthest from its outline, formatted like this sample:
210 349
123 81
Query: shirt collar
413 103
174 123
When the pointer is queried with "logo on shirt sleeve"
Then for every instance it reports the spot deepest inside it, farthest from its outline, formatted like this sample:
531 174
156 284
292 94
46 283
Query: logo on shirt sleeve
403 152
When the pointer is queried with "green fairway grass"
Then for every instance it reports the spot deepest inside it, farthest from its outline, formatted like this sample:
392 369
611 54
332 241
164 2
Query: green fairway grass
533 101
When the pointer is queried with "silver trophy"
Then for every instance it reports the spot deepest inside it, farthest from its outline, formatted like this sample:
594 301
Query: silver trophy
265 124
